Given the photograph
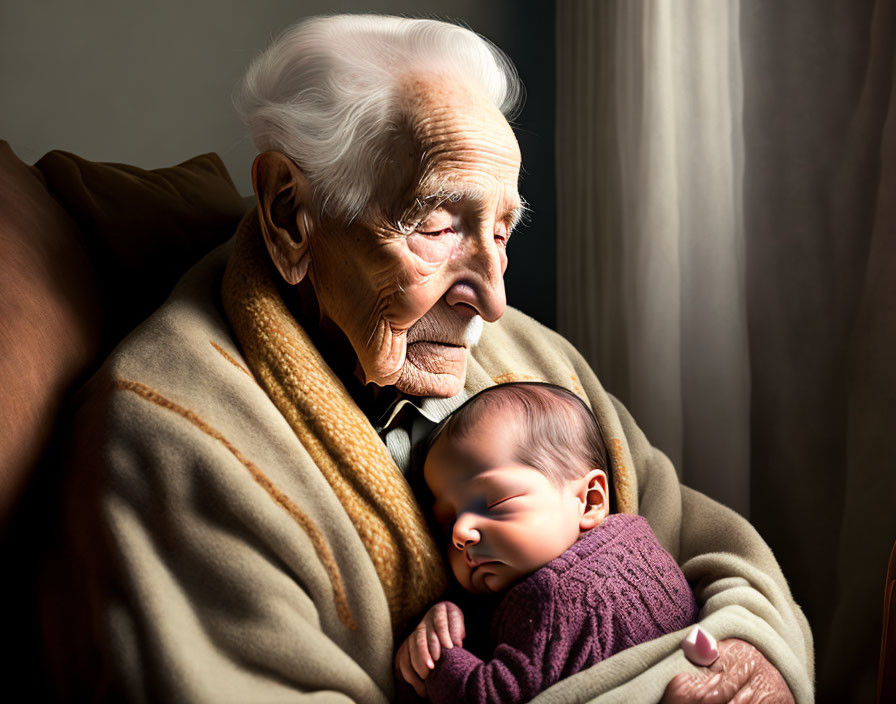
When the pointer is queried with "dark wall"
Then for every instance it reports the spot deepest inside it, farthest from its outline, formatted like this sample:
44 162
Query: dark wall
532 273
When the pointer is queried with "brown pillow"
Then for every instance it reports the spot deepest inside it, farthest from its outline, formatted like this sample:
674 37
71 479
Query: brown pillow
143 229
49 318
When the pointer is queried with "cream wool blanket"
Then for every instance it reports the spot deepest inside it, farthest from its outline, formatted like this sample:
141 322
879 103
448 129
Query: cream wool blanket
253 566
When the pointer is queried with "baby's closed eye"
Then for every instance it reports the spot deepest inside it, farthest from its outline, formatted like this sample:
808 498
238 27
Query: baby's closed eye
503 501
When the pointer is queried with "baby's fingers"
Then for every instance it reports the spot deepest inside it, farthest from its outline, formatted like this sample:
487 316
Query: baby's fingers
406 670
440 624
456 627
435 649
421 659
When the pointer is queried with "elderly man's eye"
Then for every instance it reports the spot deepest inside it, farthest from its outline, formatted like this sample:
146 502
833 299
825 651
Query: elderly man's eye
502 234
436 233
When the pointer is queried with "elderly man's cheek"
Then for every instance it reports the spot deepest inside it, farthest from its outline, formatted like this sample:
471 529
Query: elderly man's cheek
403 300
411 286
435 248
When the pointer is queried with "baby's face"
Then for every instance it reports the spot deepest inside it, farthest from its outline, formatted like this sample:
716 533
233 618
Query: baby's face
502 520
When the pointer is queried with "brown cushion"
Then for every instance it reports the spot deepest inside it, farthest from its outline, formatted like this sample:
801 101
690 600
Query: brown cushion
143 228
49 317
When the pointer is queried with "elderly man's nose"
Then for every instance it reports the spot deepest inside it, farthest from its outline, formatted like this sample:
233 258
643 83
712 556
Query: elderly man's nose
464 532
481 283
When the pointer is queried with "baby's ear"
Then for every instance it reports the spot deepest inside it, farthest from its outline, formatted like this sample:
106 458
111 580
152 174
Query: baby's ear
595 500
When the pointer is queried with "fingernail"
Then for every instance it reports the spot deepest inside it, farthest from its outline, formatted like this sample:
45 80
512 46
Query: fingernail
430 664
700 647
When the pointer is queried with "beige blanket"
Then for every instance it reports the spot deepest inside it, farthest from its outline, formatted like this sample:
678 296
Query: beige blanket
250 565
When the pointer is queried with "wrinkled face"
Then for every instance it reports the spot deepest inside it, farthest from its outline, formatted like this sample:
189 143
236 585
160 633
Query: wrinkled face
501 519
411 300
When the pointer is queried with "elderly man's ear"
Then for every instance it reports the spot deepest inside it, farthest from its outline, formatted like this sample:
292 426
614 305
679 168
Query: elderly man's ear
283 197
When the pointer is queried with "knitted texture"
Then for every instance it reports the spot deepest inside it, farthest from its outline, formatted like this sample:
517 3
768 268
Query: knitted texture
614 588
334 431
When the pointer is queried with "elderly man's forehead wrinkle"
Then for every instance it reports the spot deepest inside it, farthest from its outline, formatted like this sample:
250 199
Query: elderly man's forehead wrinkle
454 122
463 142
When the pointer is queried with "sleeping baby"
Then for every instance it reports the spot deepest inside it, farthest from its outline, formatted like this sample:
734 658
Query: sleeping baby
521 496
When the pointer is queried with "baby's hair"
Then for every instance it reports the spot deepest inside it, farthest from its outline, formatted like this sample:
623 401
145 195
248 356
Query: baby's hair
561 438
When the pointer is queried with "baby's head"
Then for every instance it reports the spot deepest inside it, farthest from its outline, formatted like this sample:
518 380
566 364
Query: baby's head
518 474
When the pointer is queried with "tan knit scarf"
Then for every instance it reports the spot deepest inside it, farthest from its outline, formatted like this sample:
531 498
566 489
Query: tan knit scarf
333 429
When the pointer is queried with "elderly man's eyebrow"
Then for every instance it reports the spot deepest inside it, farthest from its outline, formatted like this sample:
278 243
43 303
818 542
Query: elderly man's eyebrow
515 212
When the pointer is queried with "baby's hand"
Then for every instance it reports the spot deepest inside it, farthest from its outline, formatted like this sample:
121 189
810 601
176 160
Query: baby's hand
441 627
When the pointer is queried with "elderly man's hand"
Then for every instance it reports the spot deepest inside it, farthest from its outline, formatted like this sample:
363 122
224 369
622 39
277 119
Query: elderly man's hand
740 674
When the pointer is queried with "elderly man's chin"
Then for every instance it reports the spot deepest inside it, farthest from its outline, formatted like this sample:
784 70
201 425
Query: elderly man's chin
435 361
433 370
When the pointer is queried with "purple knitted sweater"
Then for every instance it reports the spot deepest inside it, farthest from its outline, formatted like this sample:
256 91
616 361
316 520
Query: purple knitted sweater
616 587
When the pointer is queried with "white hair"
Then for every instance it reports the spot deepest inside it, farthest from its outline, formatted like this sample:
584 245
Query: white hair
325 94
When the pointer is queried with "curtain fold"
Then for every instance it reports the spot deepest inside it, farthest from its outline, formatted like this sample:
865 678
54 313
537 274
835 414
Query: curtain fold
650 228
869 525
727 262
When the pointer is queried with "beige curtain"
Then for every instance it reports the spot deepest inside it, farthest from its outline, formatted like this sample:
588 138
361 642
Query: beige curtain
650 227
727 262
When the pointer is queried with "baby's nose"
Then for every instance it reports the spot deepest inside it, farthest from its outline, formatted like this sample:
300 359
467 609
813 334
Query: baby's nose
464 532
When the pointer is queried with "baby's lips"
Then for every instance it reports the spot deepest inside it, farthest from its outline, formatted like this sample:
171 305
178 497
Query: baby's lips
700 647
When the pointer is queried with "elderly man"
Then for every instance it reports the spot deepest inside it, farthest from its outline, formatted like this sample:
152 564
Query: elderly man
256 538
